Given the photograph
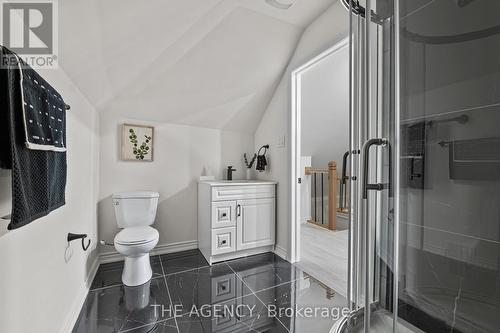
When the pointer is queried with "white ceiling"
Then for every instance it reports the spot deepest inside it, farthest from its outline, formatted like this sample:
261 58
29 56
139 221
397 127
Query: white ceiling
209 63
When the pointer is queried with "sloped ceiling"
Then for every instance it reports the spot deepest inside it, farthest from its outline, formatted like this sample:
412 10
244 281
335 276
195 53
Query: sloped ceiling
208 63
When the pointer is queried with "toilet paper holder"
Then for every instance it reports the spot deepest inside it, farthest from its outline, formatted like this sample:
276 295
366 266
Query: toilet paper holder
72 237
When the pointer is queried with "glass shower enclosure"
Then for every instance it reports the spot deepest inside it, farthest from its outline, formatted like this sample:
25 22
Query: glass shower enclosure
424 244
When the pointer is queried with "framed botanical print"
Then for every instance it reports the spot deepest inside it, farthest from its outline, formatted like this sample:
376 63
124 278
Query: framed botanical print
137 142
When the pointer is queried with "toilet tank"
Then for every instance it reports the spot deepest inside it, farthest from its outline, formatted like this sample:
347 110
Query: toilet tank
134 209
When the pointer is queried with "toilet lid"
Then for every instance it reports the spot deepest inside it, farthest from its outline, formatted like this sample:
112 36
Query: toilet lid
136 235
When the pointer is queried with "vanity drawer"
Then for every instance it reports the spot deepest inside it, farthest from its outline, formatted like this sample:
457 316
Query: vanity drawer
223 214
243 192
223 240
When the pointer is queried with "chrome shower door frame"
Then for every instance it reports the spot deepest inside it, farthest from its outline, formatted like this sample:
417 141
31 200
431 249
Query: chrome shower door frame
374 118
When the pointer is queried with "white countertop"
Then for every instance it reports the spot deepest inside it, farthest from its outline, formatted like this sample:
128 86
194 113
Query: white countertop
237 182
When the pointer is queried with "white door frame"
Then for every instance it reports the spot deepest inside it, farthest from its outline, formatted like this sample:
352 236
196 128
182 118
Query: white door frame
295 151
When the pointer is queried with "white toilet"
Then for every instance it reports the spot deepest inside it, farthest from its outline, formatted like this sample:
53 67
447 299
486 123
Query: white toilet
135 212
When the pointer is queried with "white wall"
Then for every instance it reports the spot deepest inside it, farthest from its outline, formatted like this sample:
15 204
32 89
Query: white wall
181 155
328 29
325 110
42 282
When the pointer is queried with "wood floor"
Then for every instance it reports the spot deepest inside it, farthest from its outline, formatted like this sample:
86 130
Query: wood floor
323 254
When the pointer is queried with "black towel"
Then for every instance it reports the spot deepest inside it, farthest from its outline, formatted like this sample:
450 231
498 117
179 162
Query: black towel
44 113
261 163
261 159
38 176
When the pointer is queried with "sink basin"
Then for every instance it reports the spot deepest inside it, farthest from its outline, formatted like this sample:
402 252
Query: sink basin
236 182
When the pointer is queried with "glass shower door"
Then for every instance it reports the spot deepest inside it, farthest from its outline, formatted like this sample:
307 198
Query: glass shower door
425 166
449 239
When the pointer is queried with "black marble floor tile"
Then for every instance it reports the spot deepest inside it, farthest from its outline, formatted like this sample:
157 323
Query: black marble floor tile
243 295
165 326
183 261
243 314
315 306
120 308
264 271
207 285
110 274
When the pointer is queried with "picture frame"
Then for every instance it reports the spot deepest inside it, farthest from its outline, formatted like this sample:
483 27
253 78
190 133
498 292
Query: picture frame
137 143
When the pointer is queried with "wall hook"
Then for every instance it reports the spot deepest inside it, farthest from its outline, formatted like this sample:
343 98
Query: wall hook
72 237
265 147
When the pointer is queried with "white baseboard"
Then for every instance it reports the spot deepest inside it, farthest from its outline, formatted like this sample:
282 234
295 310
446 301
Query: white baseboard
113 256
239 254
74 312
175 247
281 252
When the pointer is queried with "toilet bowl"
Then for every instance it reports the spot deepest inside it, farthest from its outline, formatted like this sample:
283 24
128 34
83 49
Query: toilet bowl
135 212
135 243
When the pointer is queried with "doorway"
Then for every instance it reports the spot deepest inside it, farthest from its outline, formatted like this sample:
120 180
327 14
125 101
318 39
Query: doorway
320 120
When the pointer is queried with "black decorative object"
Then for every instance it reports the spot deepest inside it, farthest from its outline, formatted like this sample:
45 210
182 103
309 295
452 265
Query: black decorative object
72 237
261 159
249 164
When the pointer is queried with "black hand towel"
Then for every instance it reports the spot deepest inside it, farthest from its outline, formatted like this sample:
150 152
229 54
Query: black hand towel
38 176
261 163
261 159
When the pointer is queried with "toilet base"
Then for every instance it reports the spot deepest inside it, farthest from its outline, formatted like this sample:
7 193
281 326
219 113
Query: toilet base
137 270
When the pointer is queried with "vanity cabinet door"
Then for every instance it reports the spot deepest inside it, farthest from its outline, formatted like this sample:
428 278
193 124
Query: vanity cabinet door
255 219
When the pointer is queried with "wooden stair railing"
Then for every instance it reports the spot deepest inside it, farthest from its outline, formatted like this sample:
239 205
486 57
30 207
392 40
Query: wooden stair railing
332 195
333 182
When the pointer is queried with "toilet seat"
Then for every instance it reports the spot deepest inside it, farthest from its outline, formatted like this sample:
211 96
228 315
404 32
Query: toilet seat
137 235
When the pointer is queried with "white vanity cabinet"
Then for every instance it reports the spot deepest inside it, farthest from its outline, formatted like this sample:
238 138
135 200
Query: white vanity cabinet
236 218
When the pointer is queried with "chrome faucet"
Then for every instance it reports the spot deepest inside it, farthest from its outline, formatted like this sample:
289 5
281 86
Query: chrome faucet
230 172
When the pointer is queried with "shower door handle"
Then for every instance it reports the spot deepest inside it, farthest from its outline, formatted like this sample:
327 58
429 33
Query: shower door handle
366 153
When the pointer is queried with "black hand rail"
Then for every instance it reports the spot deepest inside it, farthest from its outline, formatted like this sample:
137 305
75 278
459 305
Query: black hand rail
343 184
366 150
